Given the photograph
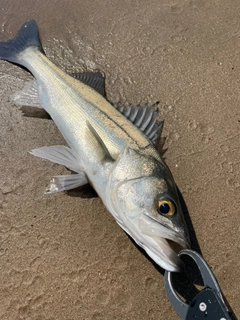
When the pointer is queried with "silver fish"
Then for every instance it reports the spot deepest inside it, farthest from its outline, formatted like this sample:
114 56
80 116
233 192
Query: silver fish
109 147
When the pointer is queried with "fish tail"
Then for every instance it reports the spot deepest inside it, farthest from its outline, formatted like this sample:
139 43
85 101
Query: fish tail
26 37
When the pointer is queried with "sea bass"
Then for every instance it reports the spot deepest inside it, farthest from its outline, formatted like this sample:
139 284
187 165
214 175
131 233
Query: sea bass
112 148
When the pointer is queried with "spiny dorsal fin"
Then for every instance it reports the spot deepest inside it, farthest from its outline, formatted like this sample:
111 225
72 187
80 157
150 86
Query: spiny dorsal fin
94 80
144 117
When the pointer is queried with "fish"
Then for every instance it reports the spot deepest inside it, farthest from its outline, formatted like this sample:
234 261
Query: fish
111 147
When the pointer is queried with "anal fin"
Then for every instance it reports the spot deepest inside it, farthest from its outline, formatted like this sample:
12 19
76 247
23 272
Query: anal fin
28 95
29 100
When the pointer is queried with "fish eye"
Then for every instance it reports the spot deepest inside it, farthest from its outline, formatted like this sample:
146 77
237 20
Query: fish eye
166 207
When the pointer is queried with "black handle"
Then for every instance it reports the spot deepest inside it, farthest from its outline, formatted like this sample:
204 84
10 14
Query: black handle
207 306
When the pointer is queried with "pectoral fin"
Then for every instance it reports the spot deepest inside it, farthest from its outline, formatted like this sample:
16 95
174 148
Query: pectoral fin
99 148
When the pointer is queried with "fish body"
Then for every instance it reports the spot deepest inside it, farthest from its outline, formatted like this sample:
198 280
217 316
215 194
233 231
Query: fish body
106 149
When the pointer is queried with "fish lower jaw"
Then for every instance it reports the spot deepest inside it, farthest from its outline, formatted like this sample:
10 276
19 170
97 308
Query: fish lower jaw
162 243
165 253
172 266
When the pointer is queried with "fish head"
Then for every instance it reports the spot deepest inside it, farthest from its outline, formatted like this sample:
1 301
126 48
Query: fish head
145 201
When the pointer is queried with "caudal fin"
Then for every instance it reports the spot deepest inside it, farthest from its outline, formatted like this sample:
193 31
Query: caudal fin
26 37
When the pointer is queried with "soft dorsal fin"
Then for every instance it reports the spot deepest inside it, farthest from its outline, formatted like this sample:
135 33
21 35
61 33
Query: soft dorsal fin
94 80
144 117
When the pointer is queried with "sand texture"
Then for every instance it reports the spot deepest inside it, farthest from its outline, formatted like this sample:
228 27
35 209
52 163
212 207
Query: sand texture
63 257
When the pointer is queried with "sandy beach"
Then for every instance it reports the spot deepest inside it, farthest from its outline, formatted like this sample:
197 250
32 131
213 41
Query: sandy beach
63 257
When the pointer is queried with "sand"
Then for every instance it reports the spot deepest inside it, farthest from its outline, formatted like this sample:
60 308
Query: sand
63 256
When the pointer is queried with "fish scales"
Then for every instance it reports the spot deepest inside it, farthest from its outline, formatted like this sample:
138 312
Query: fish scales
75 103
107 148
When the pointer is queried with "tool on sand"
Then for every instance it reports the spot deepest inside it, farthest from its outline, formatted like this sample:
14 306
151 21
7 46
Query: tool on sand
208 304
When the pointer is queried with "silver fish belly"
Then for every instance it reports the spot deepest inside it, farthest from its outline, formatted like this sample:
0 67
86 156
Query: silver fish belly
109 148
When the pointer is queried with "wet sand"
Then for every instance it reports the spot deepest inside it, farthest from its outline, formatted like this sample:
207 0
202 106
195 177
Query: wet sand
63 256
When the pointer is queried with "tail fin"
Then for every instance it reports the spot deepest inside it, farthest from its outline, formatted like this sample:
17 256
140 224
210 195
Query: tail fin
26 37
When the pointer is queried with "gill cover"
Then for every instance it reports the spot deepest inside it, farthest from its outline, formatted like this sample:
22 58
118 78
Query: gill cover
145 200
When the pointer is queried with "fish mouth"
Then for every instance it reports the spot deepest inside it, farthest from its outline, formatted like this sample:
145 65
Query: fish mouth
162 244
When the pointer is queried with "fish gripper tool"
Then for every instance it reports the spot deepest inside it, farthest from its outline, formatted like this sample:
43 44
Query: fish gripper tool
208 304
